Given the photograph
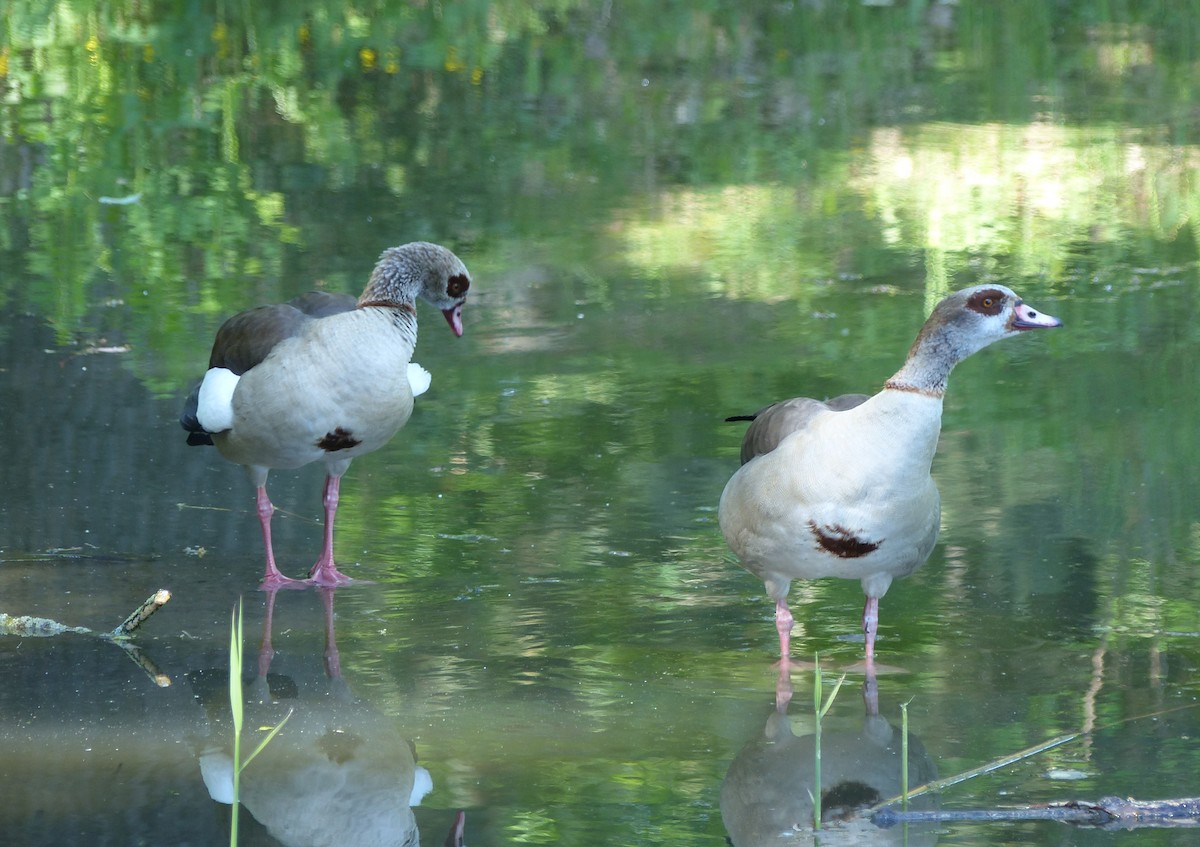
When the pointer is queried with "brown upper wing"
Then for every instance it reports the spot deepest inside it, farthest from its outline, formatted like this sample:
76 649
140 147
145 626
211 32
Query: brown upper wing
779 420
248 337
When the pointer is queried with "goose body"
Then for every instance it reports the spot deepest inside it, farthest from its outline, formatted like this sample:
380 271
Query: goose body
323 377
351 369
843 488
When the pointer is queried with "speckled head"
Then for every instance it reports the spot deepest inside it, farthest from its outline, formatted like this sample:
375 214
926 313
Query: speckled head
420 269
961 324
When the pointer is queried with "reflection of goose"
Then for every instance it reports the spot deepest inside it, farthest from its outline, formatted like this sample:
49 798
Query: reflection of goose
455 837
322 378
338 773
843 488
766 799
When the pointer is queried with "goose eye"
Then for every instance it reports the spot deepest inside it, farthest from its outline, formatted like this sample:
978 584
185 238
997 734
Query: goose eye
988 302
457 285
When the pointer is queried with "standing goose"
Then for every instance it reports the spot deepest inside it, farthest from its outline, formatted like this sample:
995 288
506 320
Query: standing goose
322 378
842 488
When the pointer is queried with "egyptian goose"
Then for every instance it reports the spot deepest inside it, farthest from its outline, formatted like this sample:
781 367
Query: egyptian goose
322 378
842 488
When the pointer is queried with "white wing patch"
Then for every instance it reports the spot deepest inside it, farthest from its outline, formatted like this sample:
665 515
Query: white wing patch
215 407
422 785
418 378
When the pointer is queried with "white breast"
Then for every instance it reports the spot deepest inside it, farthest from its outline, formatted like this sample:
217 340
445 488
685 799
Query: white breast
856 477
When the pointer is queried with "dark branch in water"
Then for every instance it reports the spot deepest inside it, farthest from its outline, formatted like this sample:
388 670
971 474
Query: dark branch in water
26 626
1106 813
139 615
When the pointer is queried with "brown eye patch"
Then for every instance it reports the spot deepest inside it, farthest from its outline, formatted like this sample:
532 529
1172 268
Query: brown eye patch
457 285
986 302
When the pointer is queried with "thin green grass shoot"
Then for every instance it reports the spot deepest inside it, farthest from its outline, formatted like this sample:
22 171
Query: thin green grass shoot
236 708
819 711
904 754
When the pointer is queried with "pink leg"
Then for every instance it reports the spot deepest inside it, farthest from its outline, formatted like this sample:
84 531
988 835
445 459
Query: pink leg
870 624
272 578
784 623
325 572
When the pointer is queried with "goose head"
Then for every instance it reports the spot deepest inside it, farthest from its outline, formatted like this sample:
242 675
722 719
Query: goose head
964 323
424 270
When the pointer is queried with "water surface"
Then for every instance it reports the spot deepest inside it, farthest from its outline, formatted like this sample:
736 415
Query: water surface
671 215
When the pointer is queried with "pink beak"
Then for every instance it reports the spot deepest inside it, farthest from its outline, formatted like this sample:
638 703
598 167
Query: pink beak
454 318
1026 318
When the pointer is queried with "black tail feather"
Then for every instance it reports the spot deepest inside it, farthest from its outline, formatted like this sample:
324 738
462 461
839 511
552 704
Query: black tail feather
197 437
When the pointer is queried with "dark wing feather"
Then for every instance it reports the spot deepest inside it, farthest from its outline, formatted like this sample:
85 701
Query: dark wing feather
779 420
248 337
197 437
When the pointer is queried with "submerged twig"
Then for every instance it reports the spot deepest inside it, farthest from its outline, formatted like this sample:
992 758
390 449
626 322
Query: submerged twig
139 615
1013 758
1107 813
27 626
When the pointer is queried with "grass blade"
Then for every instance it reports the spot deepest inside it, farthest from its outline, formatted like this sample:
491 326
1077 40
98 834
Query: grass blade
274 731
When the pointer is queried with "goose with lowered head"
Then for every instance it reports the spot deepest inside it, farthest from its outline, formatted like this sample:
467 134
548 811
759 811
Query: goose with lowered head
323 377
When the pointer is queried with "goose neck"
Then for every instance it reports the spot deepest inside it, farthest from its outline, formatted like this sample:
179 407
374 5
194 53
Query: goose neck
932 356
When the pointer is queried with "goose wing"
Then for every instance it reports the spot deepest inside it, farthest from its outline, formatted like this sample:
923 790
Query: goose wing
776 422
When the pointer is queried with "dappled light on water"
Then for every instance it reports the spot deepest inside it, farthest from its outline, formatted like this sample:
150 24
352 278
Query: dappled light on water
672 214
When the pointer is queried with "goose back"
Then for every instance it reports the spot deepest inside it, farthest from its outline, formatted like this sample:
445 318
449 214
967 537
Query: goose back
779 420
248 337
337 389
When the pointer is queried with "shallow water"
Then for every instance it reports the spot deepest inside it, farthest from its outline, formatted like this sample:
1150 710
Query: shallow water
670 218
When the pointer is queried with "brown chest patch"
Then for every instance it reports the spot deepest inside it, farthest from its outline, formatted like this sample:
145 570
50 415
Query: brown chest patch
339 439
841 542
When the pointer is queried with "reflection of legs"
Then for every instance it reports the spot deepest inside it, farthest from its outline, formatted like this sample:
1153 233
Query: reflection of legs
333 663
871 692
324 572
266 651
870 625
783 687
784 623
454 838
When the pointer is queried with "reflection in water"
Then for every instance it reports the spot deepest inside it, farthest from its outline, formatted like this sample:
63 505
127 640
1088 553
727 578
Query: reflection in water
714 187
766 797
337 773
